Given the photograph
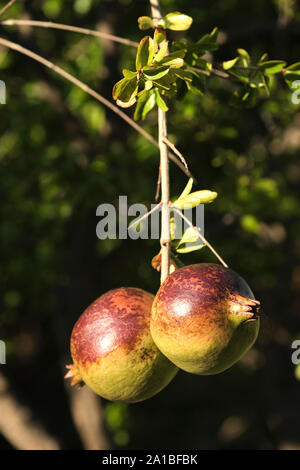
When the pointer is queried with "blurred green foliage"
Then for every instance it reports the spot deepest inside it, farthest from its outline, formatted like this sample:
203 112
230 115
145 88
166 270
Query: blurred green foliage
62 154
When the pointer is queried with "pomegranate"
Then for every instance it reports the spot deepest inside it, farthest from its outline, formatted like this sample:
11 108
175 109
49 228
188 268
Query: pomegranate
113 351
204 318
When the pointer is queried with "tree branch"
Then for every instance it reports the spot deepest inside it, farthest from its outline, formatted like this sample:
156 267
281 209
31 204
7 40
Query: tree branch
80 84
7 6
88 418
91 92
165 239
208 73
74 29
17 425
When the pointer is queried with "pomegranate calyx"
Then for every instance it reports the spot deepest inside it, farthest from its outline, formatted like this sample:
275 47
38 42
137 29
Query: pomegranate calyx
74 375
247 308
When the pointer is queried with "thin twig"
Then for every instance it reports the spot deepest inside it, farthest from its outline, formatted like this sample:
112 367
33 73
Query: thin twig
80 84
200 235
165 239
74 29
172 146
136 222
179 154
158 184
7 6
218 73
185 170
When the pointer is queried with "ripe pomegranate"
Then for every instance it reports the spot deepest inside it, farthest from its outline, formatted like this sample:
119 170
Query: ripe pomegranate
204 318
113 351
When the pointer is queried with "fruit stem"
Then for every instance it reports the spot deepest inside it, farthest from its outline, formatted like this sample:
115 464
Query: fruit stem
165 238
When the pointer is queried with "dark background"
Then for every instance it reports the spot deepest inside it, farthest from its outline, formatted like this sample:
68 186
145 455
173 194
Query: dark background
62 154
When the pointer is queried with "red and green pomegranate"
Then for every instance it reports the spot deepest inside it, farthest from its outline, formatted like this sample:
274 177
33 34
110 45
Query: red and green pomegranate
204 318
113 351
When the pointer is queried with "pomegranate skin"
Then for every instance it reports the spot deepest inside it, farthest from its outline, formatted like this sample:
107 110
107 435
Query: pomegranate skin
204 318
113 351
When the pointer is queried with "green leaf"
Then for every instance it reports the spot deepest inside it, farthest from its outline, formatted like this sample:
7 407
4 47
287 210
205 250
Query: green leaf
263 58
197 86
129 73
155 73
203 64
145 22
184 75
190 241
241 74
272 66
159 36
165 83
207 43
145 53
228 64
187 189
174 59
126 104
125 90
162 52
257 79
244 57
189 236
160 102
145 104
196 198
294 67
290 78
190 248
176 21
148 85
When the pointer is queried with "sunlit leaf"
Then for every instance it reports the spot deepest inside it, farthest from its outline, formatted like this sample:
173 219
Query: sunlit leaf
294 67
188 248
176 21
196 198
145 22
189 236
145 53
159 36
162 52
155 73
129 73
145 104
228 64
127 104
187 189
125 89
175 59
244 57
160 102
272 66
